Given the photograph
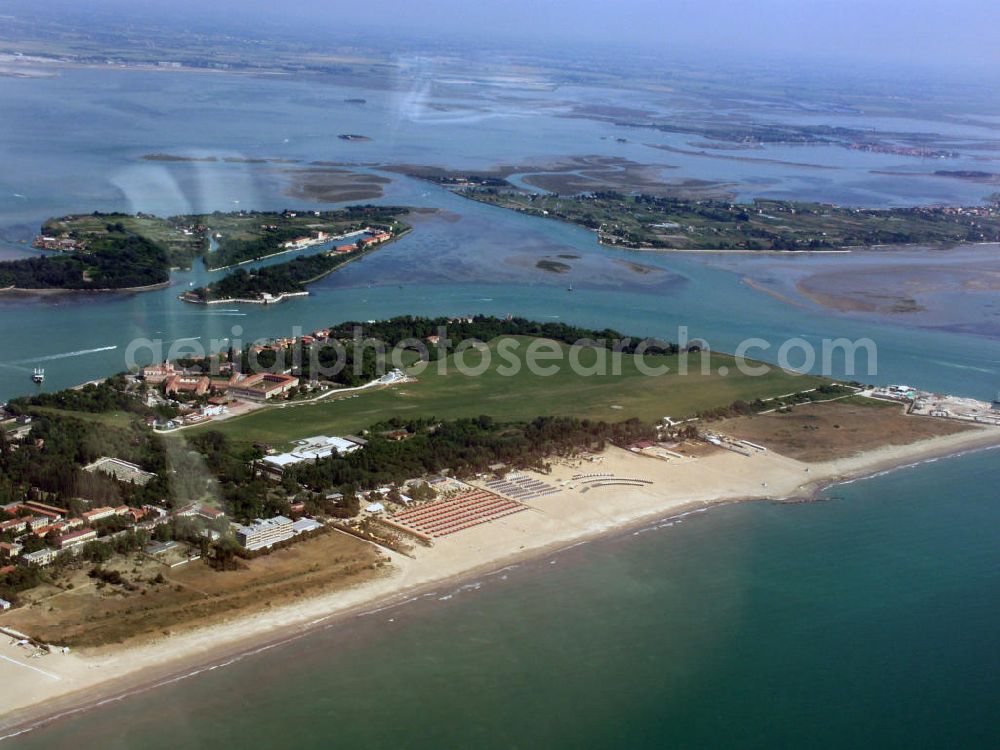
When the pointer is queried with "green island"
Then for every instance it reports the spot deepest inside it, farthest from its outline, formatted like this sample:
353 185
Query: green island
745 135
116 260
105 252
450 394
156 528
76 426
254 235
652 222
271 284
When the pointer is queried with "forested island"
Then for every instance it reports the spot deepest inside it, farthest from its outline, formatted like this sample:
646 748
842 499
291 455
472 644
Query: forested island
244 237
270 284
118 260
107 252
652 222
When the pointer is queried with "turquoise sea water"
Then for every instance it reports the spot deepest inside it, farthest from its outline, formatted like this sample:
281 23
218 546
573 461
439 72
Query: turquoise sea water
865 621
868 620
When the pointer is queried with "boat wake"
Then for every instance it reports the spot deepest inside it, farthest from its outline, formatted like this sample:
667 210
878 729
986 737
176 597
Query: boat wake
957 366
64 355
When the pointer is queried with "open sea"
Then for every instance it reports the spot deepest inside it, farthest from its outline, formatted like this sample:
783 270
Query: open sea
867 620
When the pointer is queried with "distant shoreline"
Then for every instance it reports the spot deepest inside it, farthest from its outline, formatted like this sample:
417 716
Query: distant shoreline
239 301
846 250
54 291
131 669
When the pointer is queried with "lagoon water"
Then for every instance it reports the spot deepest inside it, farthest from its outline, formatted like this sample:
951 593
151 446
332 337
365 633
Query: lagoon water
864 621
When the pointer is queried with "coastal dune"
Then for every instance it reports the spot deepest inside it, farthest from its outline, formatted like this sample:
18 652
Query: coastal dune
52 685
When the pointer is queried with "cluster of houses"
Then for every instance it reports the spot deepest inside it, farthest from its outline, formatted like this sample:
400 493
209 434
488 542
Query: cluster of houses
899 150
66 534
38 533
372 237
63 243
260 386
225 385
63 532
939 405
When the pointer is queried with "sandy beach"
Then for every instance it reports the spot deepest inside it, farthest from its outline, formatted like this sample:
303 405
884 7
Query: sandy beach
47 687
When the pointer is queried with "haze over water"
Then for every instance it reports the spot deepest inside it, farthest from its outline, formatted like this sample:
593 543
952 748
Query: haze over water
865 621
479 260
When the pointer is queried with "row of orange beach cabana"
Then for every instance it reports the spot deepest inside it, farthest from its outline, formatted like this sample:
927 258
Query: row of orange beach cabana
443 517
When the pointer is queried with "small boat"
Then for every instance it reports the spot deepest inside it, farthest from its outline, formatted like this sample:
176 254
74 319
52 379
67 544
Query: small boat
39 375
569 288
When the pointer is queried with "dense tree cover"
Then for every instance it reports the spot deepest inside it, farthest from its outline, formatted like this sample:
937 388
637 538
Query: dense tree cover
234 250
464 447
122 251
245 494
181 248
95 398
114 261
282 278
487 327
49 463
20 579
361 364
103 550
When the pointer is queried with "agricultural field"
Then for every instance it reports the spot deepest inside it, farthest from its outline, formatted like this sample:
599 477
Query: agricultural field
182 248
241 235
649 221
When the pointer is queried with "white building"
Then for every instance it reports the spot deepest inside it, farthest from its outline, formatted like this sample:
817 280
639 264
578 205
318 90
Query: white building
43 557
264 532
123 471
310 449
305 524
97 514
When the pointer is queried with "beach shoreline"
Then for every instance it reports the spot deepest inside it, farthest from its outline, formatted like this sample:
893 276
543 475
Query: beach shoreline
112 673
